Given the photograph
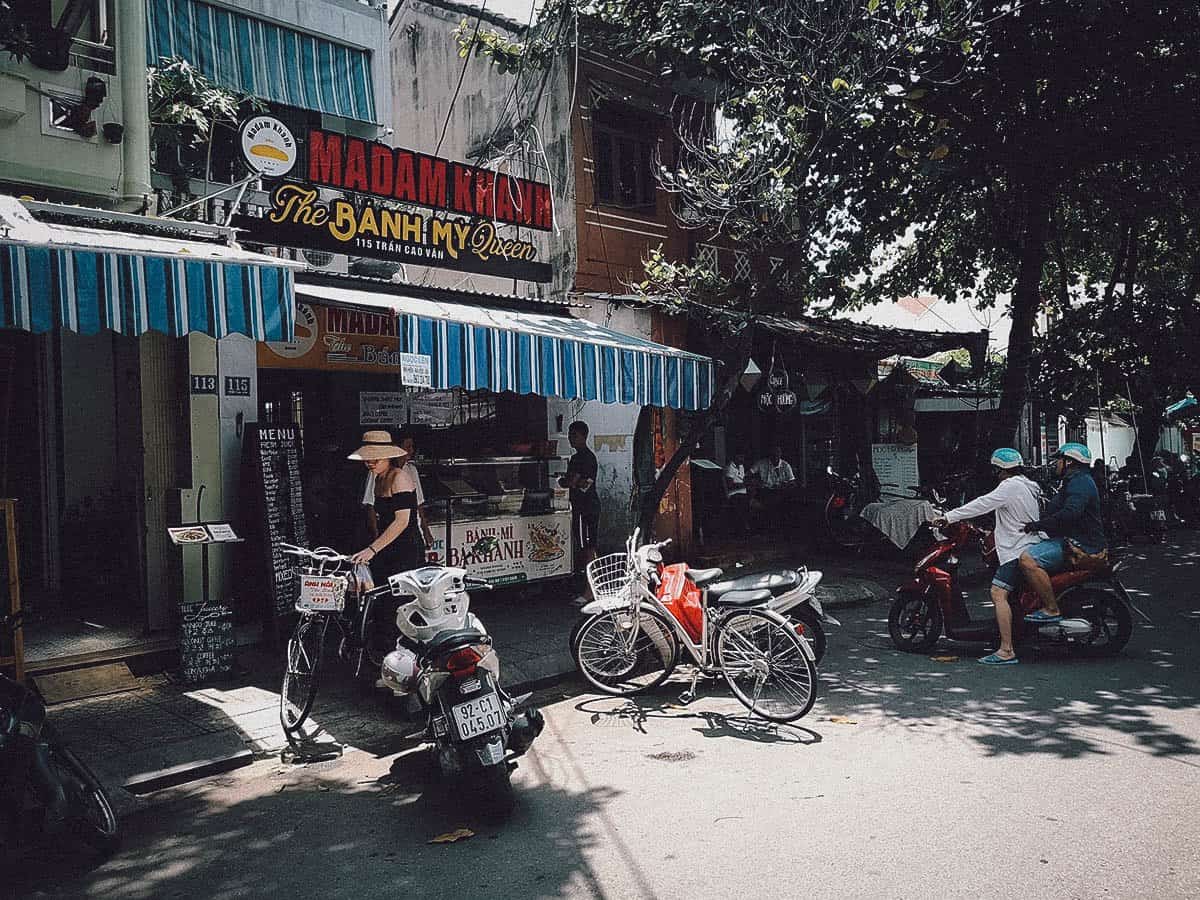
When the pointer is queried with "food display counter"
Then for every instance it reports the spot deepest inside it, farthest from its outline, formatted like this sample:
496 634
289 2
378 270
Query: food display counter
501 518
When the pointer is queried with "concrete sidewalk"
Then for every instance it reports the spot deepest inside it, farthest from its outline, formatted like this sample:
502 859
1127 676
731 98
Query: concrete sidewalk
163 732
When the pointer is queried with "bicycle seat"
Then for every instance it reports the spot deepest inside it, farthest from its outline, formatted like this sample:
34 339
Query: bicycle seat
702 577
451 640
745 599
777 583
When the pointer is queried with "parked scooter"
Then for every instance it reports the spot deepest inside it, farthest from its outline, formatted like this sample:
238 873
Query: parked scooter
1132 515
45 789
793 594
1183 492
1095 605
445 661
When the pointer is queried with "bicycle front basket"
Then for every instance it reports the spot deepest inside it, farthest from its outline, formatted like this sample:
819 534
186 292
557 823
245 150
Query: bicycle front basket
609 576
321 592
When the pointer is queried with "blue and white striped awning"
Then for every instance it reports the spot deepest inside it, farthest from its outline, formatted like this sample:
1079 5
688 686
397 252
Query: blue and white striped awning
479 348
263 59
87 280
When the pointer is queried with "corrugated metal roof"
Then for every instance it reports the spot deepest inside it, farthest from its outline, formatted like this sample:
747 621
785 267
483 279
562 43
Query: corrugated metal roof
400 288
69 228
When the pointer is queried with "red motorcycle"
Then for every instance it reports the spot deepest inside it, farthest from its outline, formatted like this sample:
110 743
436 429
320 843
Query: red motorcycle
1095 605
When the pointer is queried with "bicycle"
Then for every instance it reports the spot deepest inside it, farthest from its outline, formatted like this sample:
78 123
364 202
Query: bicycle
326 583
630 638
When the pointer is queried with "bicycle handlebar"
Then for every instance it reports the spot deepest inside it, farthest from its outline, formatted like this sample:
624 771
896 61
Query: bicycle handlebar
321 554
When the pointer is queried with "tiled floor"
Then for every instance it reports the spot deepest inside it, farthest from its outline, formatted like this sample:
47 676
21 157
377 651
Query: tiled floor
76 635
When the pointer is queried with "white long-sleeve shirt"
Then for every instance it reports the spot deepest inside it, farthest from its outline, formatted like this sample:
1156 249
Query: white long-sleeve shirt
1015 503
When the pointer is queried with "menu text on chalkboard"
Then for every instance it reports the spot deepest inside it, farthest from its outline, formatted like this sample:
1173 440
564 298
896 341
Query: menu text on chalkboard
206 641
275 459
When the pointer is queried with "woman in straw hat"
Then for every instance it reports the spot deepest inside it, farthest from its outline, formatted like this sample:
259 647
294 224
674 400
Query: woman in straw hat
398 547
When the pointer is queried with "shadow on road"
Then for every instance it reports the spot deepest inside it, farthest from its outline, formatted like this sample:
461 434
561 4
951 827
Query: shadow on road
663 704
1053 703
319 831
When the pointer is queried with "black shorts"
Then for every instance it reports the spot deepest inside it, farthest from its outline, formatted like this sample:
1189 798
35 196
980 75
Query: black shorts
585 529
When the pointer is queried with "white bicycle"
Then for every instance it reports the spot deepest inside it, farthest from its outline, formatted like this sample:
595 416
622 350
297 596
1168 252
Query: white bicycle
630 636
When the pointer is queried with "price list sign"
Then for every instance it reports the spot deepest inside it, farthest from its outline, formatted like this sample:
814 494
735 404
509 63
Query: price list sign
206 641
275 459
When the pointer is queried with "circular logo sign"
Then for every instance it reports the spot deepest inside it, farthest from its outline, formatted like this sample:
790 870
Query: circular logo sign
268 146
785 400
766 401
306 335
777 380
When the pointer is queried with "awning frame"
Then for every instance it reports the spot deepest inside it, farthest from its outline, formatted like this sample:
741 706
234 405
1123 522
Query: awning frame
480 348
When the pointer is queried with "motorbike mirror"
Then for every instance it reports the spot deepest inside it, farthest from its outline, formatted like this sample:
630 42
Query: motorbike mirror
829 470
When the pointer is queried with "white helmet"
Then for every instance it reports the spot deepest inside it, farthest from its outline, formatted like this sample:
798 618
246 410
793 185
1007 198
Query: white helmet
1006 458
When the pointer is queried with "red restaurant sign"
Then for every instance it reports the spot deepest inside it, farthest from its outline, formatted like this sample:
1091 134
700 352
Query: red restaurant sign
369 167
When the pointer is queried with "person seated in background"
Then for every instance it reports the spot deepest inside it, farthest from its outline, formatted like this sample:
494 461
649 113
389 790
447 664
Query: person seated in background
776 481
735 493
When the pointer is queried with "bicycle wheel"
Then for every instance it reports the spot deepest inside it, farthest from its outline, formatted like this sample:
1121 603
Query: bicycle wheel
618 656
766 665
303 666
92 814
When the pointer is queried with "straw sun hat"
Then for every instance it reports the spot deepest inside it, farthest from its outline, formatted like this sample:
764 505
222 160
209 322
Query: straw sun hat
376 445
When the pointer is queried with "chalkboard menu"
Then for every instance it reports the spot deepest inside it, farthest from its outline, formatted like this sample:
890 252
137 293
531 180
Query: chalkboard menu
206 641
275 463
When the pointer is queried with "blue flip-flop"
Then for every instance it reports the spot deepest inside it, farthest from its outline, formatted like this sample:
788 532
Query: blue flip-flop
1041 617
995 659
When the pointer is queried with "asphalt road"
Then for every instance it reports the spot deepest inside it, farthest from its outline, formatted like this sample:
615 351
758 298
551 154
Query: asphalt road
911 778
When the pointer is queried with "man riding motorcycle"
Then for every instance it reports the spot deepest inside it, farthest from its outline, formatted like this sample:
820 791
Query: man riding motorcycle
1015 502
1072 516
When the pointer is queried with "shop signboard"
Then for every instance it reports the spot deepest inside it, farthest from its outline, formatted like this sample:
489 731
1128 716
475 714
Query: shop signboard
395 204
509 549
386 408
416 370
333 339
206 641
432 409
896 466
274 460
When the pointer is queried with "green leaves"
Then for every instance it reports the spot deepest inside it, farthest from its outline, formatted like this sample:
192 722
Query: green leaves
872 5
840 84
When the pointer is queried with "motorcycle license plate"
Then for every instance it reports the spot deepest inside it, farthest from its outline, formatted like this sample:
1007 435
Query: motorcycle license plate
1158 515
478 716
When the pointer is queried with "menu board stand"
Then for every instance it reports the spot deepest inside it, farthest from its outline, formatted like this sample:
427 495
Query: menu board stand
206 638
273 465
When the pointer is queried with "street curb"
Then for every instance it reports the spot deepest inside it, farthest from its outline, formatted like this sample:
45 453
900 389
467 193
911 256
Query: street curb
172 776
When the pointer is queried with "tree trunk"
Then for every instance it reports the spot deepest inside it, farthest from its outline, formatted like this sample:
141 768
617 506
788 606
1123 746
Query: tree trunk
1026 301
735 364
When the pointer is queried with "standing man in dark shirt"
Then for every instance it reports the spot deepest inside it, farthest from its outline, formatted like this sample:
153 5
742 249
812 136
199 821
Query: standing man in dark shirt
585 502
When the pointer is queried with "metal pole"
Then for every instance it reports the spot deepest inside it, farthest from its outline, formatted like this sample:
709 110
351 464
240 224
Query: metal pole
1137 435
225 190
1100 414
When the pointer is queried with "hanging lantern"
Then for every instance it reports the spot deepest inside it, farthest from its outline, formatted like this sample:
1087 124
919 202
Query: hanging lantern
766 401
750 376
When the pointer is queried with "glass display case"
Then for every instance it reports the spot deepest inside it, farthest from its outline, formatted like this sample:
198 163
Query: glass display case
502 518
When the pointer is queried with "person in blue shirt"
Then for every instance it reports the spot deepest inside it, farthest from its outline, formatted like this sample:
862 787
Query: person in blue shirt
1074 515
